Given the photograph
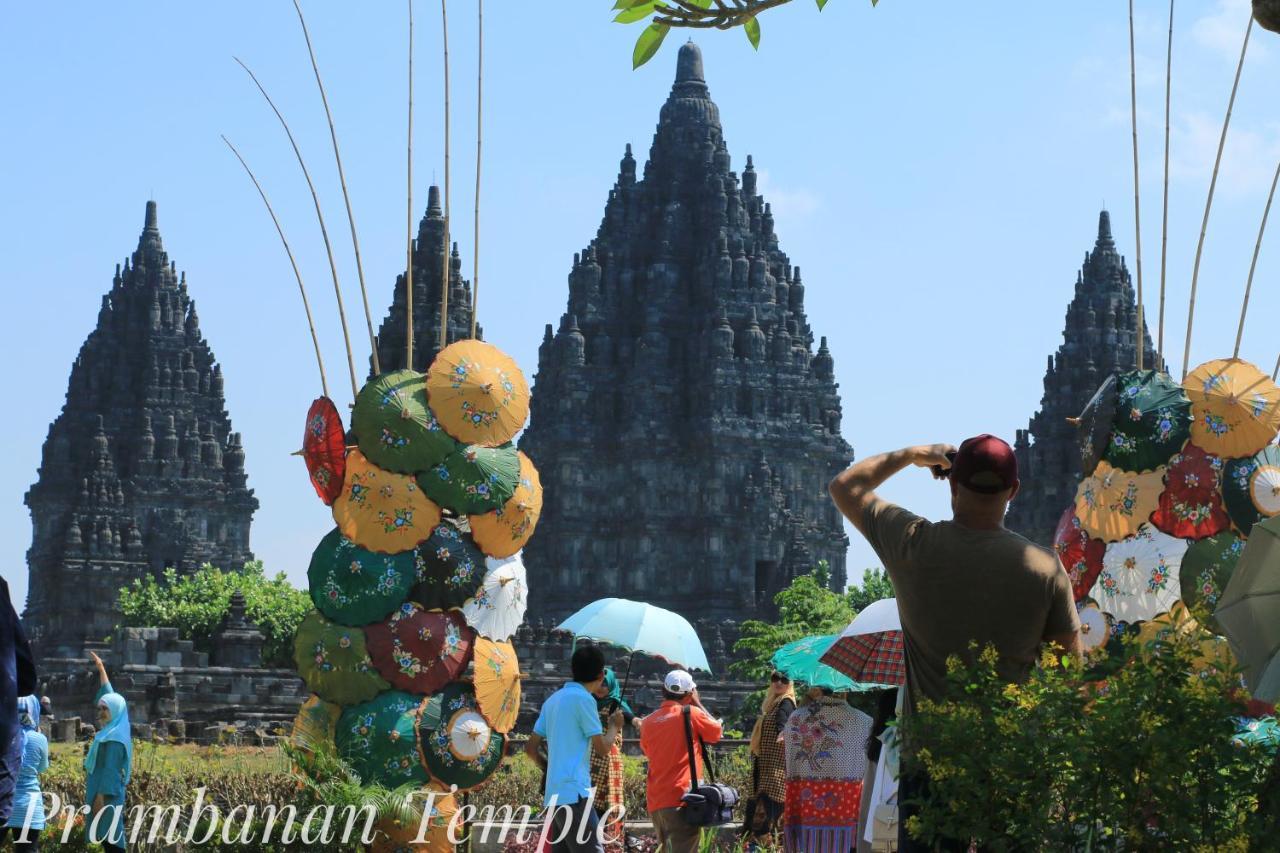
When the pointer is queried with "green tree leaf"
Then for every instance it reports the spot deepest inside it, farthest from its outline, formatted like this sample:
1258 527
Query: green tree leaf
752 28
648 43
638 12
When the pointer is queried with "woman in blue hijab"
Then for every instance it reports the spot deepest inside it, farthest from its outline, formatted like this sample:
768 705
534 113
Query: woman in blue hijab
26 796
108 766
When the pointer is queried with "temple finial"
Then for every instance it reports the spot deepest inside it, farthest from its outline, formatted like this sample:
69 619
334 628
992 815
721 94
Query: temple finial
689 64
152 223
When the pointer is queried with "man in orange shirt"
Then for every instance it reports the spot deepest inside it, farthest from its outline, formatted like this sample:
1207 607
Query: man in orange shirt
662 739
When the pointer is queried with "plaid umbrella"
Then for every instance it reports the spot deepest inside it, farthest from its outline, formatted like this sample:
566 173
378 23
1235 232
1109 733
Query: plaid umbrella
1190 506
420 650
394 427
455 742
378 739
450 569
324 449
474 479
870 649
354 586
1251 488
334 662
1152 420
1079 554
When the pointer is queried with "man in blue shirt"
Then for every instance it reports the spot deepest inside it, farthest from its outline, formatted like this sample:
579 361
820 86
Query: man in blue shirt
570 724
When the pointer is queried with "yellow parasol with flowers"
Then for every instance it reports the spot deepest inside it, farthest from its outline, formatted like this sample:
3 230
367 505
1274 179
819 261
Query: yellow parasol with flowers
477 393
1111 504
505 531
381 511
1235 405
497 682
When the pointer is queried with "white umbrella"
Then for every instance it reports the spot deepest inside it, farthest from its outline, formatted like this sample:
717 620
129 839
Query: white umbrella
638 626
1139 578
497 609
877 616
468 735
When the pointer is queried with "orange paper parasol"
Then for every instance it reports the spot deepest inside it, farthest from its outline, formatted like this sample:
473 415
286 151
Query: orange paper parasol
505 531
497 679
1236 407
315 723
394 835
381 511
1111 503
477 393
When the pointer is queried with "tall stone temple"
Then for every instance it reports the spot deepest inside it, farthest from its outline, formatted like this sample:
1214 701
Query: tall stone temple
1099 339
428 273
684 428
141 470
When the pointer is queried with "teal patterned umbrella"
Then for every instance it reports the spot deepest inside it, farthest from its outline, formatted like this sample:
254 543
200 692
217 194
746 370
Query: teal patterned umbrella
395 429
474 479
334 661
450 569
800 661
1151 423
1251 488
1206 569
456 742
378 739
354 586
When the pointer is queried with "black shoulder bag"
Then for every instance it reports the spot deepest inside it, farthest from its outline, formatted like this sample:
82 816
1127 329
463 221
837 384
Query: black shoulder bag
707 804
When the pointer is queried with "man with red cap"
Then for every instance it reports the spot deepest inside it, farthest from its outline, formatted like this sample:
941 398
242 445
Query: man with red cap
965 580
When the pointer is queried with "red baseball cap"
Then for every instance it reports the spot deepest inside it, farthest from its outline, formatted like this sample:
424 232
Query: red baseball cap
985 464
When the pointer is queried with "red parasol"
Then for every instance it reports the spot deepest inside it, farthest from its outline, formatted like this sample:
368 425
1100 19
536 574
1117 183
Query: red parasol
420 650
1079 553
324 448
1191 503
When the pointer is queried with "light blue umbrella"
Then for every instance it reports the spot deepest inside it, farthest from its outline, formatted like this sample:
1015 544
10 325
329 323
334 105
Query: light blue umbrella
799 661
639 627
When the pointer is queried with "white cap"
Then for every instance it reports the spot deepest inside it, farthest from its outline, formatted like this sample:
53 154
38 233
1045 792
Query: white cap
679 681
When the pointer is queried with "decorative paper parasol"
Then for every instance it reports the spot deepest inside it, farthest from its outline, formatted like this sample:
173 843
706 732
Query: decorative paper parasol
355 587
1093 427
334 662
799 661
450 569
324 449
394 427
1139 577
378 739
638 626
478 393
382 511
1152 421
1206 569
498 607
420 650
1111 503
506 530
1249 611
1251 488
315 723
1078 553
474 479
456 743
497 680
870 649
1236 407
1213 654
1191 503
397 836
1094 628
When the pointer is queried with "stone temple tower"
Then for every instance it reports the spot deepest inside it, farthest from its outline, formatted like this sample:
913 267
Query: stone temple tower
141 470
1099 339
428 272
684 426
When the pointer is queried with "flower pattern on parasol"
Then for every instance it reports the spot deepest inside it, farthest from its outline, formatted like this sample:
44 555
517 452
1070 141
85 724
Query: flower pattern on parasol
1093 426
354 586
395 428
378 739
1111 504
478 393
383 511
1206 569
1191 503
505 531
450 568
1139 576
456 744
1236 407
497 609
324 449
315 723
497 683
1251 488
420 650
334 661
1152 420
474 479
1079 554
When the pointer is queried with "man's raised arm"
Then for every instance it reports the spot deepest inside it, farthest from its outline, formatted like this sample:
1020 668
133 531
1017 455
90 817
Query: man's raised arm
853 489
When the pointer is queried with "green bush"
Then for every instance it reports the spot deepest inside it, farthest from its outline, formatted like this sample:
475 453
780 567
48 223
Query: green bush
1141 761
196 603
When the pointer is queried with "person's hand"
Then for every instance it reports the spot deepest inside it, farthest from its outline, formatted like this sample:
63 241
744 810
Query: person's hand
616 720
932 456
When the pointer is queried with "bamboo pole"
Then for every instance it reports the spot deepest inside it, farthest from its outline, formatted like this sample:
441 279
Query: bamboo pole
306 305
1253 265
342 179
444 282
1137 215
324 232
1208 205
1164 224
408 276
475 247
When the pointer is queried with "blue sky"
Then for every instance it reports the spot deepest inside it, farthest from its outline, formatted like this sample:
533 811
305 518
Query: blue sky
935 167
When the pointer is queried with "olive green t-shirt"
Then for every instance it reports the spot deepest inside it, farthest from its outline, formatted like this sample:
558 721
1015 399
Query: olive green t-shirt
956 586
